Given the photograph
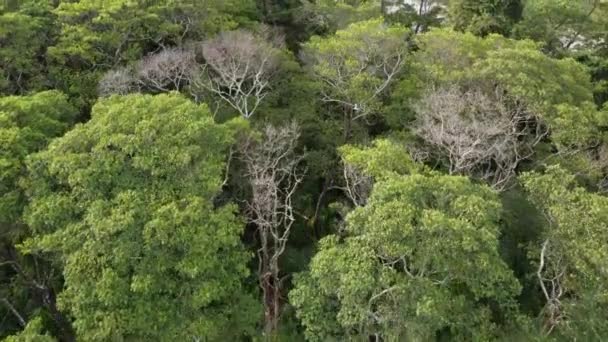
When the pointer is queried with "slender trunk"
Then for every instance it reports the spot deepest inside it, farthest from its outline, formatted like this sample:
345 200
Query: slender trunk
348 124
276 294
268 274
46 295
66 332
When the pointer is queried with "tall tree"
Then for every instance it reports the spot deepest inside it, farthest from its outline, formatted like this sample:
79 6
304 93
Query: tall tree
125 203
357 66
571 255
25 32
420 15
548 93
28 284
420 260
563 24
273 171
483 17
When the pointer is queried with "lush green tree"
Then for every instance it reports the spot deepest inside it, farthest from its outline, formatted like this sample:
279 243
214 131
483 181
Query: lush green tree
33 332
126 203
327 16
97 36
25 32
419 260
562 24
571 255
357 66
27 124
553 96
384 158
483 17
571 28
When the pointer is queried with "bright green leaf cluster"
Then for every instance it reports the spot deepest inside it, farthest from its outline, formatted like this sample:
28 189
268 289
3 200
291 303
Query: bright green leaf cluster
420 259
126 203
27 123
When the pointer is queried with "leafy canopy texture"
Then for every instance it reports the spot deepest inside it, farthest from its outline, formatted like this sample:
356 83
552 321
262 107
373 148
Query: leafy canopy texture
420 259
358 64
24 35
572 265
532 102
27 123
125 202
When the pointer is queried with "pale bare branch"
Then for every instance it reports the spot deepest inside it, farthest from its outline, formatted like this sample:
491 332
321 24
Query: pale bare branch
273 172
480 134
240 67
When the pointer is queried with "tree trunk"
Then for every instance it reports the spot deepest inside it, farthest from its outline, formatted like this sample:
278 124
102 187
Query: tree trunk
66 332
269 272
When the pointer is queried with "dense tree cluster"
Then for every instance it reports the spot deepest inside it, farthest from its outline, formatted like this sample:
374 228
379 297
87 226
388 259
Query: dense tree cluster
303 170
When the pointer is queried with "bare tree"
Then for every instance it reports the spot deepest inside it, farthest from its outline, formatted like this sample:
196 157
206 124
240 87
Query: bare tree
551 275
480 134
358 186
170 69
273 172
239 67
119 82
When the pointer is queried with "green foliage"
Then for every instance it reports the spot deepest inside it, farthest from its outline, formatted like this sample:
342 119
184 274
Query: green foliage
24 36
483 17
33 332
125 201
327 16
99 35
126 228
575 239
559 91
446 55
27 123
357 65
420 260
577 219
562 24
385 158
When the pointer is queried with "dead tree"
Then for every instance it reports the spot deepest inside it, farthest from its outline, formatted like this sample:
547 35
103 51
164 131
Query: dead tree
236 66
239 67
551 275
273 172
358 186
117 82
480 134
170 69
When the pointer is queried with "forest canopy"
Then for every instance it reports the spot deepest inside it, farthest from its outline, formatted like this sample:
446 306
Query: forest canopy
303 170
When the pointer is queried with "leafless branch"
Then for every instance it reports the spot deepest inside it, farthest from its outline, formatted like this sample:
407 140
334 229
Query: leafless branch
14 311
550 276
170 69
274 173
119 82
239 69
480 134
358 186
